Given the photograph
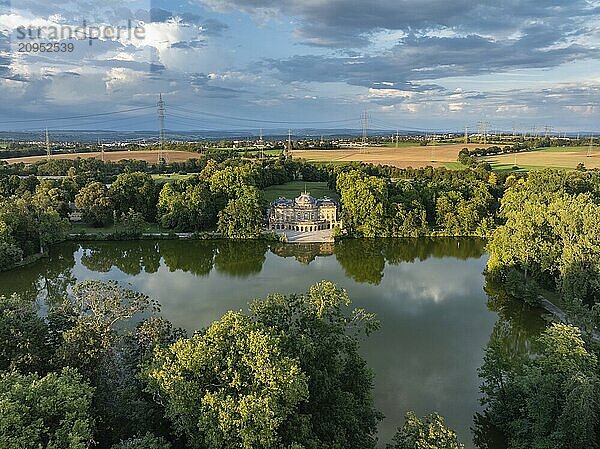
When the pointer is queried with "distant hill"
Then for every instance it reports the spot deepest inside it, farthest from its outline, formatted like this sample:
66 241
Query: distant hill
107 136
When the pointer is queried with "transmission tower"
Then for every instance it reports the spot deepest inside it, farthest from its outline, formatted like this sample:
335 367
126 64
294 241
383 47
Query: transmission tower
547 130
288 151
589 151
364 119
48 151
483 125
101 149
466 134
261 144
161 124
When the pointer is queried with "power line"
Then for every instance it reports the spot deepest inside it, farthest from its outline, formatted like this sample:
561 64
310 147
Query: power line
47 144
364 119
288 152
243 119
483 127
161 124
72 117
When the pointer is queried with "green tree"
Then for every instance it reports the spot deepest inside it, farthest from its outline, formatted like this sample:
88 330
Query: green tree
97 309
45 412
548 399
243 217
427 433
364 200
29 225
95 204
135 191
231 181
147 441
552 235
321 331
230 387
132 224
51 228
10 253
24 336
188 206
50 194
96 335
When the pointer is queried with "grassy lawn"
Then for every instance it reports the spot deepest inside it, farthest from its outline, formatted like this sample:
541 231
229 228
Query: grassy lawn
266 152
170 177
294 188
86 229
401 144
522 168
454 165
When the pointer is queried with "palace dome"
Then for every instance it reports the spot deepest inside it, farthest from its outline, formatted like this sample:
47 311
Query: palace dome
305 199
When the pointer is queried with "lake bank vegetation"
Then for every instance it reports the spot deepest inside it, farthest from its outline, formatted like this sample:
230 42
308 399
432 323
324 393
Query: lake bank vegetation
103 369
136 382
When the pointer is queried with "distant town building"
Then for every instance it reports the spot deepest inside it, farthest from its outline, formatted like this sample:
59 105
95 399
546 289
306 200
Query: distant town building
303 214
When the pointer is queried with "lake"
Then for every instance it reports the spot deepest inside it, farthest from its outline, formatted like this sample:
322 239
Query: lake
427 293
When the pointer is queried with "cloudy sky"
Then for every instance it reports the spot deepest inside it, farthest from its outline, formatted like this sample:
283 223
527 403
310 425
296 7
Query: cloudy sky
240 64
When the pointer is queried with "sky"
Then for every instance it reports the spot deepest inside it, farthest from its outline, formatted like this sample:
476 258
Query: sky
244 64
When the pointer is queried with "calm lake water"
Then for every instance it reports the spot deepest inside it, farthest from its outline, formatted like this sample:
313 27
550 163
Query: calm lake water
428 294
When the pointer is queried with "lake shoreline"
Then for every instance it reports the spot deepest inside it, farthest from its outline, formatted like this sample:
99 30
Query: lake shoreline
269 237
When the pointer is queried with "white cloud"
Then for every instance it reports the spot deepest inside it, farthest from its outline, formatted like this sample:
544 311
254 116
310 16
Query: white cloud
583 109
513 108
390 93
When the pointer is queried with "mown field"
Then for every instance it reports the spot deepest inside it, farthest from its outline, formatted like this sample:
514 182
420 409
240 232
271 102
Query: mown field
406 156
113 156
556 157
294 188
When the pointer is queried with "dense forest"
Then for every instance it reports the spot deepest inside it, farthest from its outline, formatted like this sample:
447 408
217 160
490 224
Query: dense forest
101 367
226 197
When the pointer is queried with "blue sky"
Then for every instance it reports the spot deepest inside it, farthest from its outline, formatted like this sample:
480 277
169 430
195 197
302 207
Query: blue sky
241 64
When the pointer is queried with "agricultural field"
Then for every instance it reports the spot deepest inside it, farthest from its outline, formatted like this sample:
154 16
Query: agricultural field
407 156
556 157
294 188
113 156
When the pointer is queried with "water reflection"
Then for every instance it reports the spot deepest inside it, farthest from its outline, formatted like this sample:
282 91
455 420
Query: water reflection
130 257
511 342
362 260
428 294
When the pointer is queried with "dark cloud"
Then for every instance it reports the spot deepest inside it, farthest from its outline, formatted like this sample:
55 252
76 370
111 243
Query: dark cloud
348 23
210 27
162 15
196 43
158 15
417 58
201 82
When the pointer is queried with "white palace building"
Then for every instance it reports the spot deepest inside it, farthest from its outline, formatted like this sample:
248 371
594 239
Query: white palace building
303 214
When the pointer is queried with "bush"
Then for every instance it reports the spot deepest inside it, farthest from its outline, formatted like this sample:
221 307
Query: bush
9 255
